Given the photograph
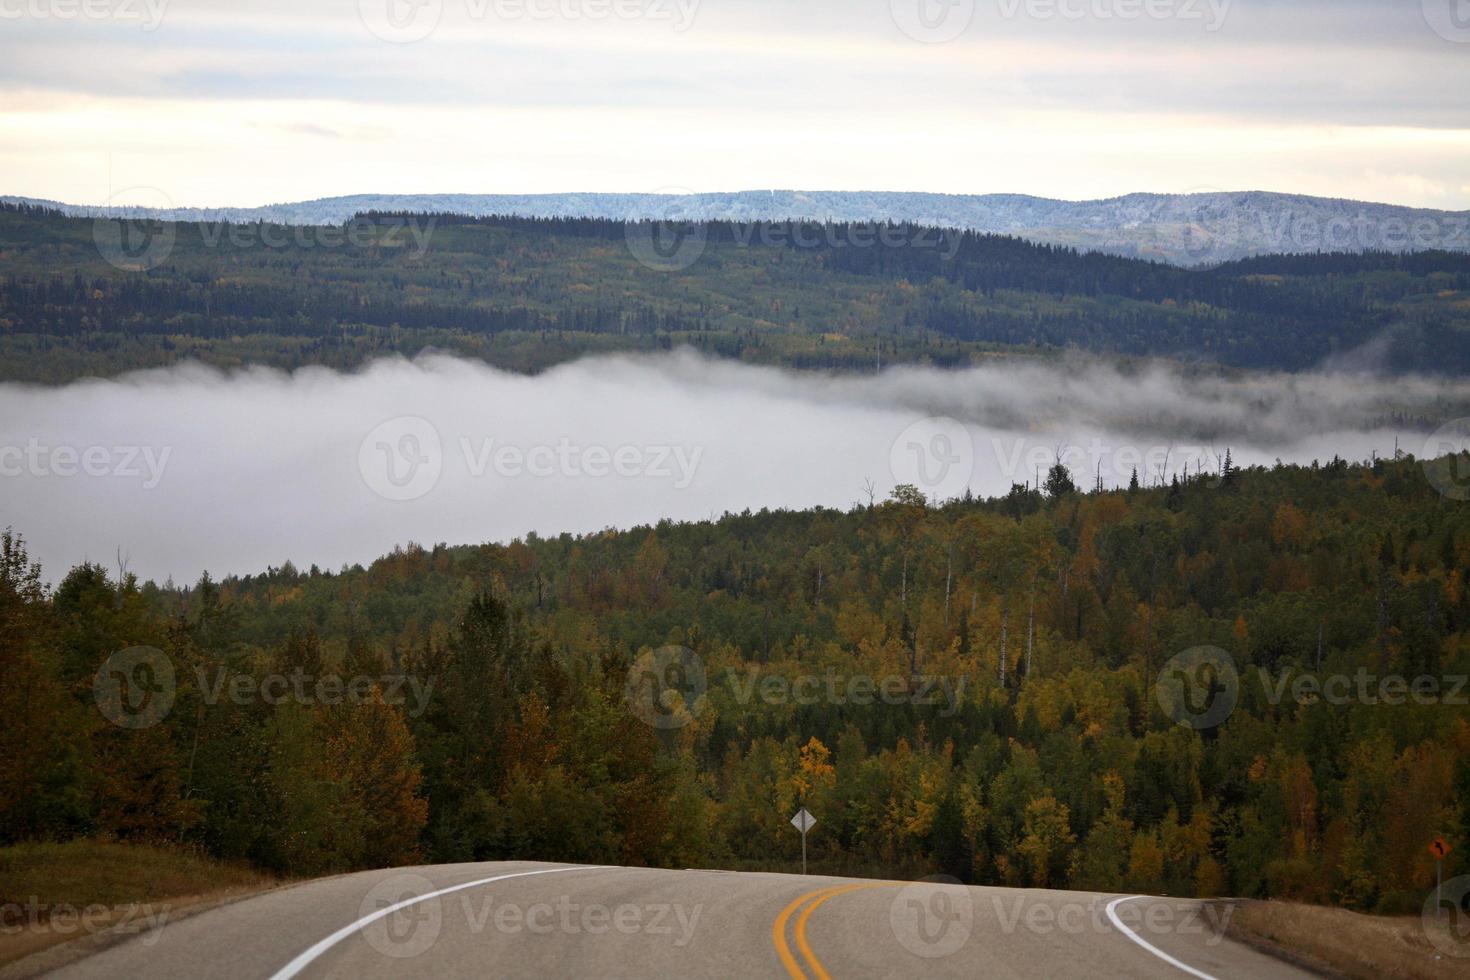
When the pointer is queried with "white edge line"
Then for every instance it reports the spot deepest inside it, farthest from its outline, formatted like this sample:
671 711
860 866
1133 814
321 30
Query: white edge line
1113 917
305 958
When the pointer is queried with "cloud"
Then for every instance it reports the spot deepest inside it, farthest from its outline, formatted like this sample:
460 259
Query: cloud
826 95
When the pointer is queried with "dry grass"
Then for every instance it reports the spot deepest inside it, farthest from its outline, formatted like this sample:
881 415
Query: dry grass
80 890
1348 944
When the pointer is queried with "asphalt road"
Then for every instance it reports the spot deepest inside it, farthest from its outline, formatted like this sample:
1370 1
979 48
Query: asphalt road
522 919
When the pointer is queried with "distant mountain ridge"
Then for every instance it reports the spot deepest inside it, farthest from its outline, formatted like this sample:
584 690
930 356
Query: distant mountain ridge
1184 229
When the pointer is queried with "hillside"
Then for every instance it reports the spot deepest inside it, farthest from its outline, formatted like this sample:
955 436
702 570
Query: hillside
1121 690
528 293
1185 229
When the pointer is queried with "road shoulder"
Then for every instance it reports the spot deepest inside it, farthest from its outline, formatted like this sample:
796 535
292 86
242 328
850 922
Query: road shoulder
1339 943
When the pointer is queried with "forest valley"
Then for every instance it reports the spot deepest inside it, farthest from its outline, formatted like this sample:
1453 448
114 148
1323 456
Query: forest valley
460 703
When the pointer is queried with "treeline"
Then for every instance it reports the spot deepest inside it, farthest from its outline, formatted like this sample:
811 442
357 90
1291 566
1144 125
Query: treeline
799 286
141 307
515 702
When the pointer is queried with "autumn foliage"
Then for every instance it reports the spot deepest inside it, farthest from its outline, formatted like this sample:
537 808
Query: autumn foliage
1045 758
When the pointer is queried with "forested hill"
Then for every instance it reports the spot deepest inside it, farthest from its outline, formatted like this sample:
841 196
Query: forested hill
1252 685
1186 229
80 297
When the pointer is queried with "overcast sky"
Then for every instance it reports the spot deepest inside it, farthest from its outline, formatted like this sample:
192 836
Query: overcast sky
229 102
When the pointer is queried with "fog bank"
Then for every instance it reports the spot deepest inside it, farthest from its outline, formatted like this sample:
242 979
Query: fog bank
189 469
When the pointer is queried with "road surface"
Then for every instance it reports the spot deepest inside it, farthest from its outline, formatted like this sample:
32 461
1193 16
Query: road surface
524 919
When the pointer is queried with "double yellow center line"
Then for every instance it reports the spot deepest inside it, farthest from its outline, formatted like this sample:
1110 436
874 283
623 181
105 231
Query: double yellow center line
811 900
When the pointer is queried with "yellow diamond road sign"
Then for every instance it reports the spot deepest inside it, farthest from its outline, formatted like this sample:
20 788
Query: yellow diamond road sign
803 821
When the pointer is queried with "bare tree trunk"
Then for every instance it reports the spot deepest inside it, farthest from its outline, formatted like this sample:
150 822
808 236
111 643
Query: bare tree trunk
1005 616
948 579
1382 621
765 633
1030 630
904 588
1148 629
1148 641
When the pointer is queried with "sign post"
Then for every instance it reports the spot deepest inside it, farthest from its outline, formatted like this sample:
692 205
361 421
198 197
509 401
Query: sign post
803 822
1440 848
